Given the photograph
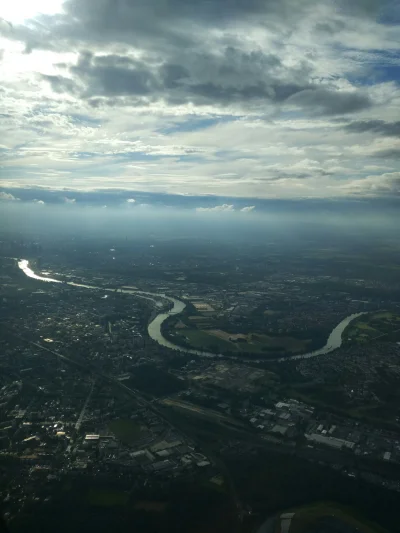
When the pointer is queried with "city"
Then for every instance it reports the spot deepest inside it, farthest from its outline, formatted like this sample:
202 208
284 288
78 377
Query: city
93 395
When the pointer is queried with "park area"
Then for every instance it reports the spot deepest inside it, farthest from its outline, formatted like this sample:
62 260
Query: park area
107 498
329 516
383 325
127 431
219 340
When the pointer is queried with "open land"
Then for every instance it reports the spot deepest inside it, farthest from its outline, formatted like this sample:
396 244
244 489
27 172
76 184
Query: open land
126 431
374 326
331 515
241 343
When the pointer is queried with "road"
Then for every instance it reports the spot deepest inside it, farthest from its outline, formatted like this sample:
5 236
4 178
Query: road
82 414
202 411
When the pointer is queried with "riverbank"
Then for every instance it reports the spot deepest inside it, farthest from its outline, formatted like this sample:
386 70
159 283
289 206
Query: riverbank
155 326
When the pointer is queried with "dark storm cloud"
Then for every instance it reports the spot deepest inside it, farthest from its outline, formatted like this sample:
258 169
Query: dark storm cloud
330 26
173 75
122 16
390 153
283 91
210 92
182 60
330 102
380 127
174 23
153 15
364 7
114 75
231 76
60 84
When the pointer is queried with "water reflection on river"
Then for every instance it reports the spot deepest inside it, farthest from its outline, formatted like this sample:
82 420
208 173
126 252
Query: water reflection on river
154 328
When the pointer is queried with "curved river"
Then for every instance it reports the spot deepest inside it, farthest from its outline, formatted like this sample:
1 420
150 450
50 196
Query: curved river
154 328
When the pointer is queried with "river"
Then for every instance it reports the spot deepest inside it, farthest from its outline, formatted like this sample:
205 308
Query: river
154 328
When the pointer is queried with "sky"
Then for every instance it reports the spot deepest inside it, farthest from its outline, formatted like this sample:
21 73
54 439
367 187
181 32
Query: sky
264 99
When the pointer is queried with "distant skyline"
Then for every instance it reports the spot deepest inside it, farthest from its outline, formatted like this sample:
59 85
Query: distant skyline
269 99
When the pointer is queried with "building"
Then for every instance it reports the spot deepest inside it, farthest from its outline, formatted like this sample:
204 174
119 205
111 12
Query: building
330 441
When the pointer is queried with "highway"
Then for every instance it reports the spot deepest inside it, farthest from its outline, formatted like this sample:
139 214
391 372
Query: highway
82 413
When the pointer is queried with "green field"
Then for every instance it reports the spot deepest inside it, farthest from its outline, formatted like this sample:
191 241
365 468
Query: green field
198 339
373 326
306 519
107 498
258 343
254 343
126 431
386 315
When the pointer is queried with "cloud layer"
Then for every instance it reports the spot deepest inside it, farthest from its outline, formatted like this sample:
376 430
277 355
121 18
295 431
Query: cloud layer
7 197
245 98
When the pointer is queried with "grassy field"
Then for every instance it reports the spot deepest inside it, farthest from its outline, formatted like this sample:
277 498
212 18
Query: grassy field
107 498
306 518
367 327
251 343
331 398
257 343
200 339
150 505
126 431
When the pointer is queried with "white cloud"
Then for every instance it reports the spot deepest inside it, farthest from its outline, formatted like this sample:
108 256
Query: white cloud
7 197
216 209
248 209
211 129
70 200
387 184
38 202
20 11
131 201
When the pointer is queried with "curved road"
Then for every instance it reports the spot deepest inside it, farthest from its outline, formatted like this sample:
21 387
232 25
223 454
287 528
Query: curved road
154 328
